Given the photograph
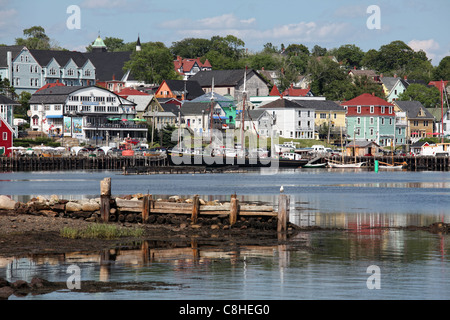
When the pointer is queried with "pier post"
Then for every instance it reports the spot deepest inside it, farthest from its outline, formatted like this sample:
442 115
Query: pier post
234 209
146 207
195 208
283 213
105 197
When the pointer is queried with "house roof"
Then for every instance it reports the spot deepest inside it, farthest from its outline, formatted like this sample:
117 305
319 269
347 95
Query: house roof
223 78
361 144
412 109
51 85
281 104
109 65
141 101
389 82
296 92
127 91
187 64
7 101
367 99
43 57
195 108
207 98
53 94
368 73
321 105
274 91
15 50
192 87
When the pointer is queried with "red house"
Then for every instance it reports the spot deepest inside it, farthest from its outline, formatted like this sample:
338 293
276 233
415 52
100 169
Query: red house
6 137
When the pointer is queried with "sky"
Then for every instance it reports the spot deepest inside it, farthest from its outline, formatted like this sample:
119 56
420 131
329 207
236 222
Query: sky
423 25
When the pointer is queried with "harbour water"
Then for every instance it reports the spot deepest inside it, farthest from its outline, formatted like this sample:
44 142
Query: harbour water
313 265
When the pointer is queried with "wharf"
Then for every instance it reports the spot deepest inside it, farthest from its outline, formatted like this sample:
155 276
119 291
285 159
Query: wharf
163 164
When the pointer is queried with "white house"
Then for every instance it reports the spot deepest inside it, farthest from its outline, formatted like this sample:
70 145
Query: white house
291 120
88 113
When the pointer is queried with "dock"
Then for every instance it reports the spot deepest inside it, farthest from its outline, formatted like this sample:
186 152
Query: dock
164 165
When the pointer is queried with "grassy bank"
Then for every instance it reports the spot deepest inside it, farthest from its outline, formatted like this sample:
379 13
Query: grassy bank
101 231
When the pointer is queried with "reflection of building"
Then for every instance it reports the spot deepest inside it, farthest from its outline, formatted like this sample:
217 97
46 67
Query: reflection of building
91 114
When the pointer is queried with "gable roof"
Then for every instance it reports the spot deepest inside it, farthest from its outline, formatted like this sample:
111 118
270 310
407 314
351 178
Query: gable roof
109 65
192 87
389 82
207 98
53 94
15 50
51 85
367 99
296 92
187 64
7 101
274 91
223 78
321 105
128 91
195 108
412 109
281 104
43 57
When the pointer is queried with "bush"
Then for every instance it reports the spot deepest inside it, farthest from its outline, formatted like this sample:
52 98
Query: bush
101 231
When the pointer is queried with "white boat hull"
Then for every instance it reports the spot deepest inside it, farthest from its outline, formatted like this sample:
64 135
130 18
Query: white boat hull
345 165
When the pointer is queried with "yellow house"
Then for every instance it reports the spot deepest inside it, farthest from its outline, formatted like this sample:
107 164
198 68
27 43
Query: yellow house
327 113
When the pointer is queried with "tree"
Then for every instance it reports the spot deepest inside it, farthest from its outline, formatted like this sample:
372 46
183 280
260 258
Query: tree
21 111
35 39
323 73
166 136
350 54
153 64
442 71
430 97
191 48
7 89
297 49
318 51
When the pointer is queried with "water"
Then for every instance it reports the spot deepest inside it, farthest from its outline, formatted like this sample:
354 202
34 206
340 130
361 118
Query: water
313 265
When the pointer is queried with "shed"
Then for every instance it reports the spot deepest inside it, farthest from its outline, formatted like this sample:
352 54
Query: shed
361 148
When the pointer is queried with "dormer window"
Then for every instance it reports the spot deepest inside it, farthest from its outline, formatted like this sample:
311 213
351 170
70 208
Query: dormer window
70 72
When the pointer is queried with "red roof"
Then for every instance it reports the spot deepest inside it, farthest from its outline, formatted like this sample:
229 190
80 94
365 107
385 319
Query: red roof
51 85
274 92
294 92
367 99
125 92
438 84
187 64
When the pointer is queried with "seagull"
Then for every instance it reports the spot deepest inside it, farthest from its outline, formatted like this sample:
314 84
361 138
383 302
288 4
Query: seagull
281 189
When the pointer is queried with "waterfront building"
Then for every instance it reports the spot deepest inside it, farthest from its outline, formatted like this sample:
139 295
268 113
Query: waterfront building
420 122
371 118
90 114
291 119
6 137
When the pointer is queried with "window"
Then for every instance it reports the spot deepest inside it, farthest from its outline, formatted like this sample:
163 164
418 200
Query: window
425 123
372 109
299 123
358 120
57 108
52 71
86 108
323 116
390 110
358 109
399 131
5 135
70 72
87 73
383 109
17 68
382 120
371 120
371 131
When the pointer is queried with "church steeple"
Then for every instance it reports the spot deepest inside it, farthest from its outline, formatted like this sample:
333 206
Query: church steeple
138 44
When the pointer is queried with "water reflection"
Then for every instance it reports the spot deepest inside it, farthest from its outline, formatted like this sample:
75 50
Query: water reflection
319 265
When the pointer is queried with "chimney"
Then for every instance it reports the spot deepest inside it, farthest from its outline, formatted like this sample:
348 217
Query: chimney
114 77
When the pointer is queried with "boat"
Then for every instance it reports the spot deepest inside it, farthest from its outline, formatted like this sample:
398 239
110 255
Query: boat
332 164
315 165
388 166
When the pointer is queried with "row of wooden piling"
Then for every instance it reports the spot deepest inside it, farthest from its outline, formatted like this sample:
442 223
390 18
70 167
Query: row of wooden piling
194 209
33 163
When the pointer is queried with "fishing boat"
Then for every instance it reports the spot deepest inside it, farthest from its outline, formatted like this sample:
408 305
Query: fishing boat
389 166
315 165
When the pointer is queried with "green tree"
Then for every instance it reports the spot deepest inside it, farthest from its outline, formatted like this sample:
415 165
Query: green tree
166 136
442 71
35 39
349 54
21 111
322 73
319 51
297 49
191 48
430 97
7 89
153 64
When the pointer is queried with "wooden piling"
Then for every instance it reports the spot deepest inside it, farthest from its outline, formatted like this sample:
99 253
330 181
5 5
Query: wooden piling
234 210
146 208
105 198
283 213
195 209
